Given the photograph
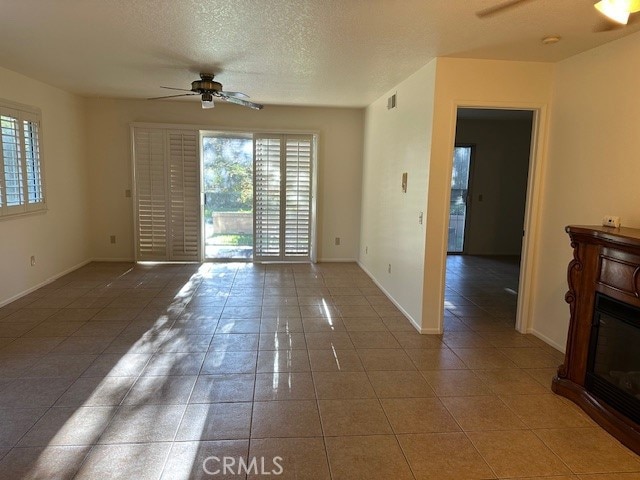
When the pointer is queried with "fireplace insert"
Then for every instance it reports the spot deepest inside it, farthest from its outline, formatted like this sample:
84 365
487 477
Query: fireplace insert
613 366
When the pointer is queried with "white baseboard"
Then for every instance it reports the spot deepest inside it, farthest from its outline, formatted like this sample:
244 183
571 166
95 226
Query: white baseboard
546 340
429 331
46 282
413 322
337 260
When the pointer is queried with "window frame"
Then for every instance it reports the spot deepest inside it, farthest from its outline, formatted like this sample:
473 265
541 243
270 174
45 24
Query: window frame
26 117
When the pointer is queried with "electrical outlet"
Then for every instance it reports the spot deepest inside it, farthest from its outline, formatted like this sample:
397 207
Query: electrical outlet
389 269
33 260
611 221
337 240
127 193
112 239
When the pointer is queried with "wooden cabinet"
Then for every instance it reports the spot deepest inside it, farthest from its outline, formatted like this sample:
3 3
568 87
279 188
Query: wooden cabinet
605 261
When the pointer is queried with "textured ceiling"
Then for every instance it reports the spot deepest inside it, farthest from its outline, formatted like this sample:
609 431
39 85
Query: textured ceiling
304 52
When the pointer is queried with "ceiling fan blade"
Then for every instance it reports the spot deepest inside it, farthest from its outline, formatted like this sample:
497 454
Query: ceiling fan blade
235 94
239 101
173 96
610 26
607 26
179 89
499 8
634 19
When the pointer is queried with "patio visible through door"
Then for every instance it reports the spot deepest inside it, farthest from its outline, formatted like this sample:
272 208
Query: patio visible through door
227 177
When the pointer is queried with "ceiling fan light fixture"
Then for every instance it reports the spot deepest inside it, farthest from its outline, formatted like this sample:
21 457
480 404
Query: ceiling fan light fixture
207 100
616 10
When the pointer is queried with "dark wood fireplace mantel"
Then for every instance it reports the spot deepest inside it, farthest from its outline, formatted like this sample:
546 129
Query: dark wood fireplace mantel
605 261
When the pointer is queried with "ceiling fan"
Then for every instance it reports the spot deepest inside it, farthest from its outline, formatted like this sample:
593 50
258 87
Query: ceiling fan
208 89
617 11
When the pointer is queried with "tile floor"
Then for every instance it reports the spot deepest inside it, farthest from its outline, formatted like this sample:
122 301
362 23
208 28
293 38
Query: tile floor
146 372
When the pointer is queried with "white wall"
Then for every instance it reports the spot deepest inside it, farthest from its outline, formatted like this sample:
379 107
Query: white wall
339 164
397 141
471 83
593 166
59 237
499 176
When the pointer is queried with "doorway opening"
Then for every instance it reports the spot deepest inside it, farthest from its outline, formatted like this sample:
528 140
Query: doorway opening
489 183
227 187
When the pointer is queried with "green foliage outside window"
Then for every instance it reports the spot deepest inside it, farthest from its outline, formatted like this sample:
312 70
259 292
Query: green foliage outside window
228 175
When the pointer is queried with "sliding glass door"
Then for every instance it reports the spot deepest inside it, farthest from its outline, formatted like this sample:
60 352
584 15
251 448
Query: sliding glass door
459 209
227 181
257 196
236 196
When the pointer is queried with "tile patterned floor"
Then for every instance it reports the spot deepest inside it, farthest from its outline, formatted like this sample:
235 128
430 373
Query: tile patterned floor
146 372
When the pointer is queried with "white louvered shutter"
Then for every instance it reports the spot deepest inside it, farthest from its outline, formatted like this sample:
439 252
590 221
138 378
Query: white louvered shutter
167 180
151 194
297 185
184 188
33 175
282 193
267 197
13 194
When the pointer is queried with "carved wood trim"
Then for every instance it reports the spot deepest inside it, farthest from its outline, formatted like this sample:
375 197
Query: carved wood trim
574 270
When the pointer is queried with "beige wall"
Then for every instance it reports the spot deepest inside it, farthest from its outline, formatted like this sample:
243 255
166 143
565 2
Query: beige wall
339 164
593 168
397 141
471 83
418 138
499 174
59 237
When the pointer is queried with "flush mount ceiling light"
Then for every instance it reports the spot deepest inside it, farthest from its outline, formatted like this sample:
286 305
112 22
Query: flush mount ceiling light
618 10
551 39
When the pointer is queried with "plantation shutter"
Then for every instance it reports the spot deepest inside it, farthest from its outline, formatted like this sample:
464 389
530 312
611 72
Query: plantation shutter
184 188
167 194
151 194
267 174
282 195
12 198
298 196
33 167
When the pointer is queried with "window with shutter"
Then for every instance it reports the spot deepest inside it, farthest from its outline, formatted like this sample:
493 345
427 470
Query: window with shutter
21 172
283 171
167 194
